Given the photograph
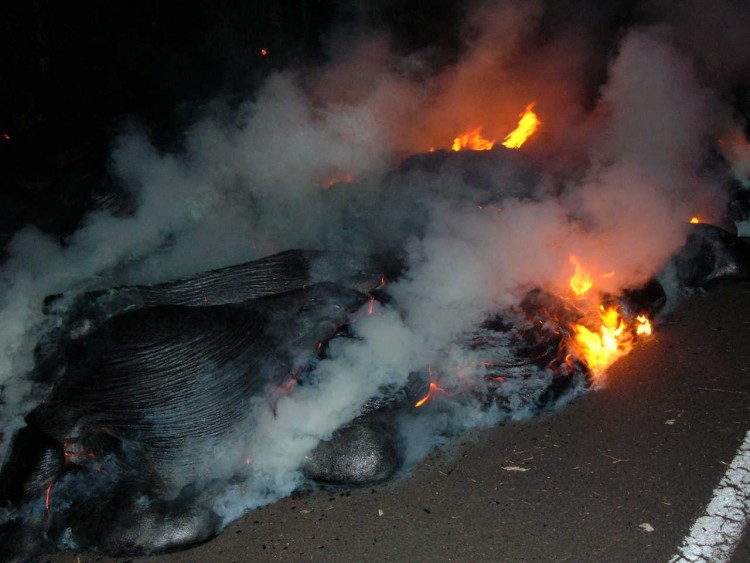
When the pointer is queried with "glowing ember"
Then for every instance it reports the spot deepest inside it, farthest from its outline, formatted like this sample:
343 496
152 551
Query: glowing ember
473 140
263 52
581 281
695 220
526 127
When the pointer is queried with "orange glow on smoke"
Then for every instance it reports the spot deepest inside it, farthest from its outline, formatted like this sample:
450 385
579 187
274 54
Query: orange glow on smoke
473 140
527 125
343 179
581 281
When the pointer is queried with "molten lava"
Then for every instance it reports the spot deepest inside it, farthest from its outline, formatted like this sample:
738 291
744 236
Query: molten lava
527 125
695 220
434 388
48 496
473 140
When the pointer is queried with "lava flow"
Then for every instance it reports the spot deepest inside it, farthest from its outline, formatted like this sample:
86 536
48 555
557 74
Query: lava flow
433 389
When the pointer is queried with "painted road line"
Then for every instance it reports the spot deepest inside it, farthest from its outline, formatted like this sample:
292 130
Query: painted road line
714 535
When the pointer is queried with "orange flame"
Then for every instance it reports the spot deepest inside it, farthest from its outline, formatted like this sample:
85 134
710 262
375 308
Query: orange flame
643 326
581 281
473 140
601 349
695 220
527 125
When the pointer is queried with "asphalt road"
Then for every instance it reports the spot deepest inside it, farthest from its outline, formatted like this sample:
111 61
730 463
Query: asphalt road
620 475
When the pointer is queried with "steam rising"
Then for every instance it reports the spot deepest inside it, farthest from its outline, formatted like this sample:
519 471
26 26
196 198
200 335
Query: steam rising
618 179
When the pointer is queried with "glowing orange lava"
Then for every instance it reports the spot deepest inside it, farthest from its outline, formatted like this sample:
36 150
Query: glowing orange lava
434 388
473 140
47 496
695 220
527 125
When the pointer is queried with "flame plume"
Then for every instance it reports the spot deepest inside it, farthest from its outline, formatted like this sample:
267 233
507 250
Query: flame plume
473 140
527 125
581 281
600 347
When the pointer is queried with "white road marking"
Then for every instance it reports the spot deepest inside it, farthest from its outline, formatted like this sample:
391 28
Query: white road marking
715 535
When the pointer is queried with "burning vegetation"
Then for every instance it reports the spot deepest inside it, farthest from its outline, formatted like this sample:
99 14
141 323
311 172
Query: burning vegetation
574 335
527 126
475 141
